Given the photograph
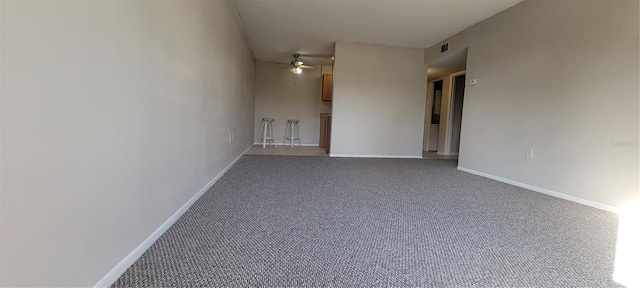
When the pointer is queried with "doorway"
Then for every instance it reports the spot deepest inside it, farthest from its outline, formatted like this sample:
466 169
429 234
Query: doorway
445 97
457 94
434 127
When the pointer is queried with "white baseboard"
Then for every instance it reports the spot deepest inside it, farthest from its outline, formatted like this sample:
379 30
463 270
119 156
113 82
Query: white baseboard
543 190
375 156
289 144
117 271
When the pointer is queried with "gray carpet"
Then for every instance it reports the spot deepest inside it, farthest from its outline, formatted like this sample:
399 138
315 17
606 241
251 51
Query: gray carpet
314 221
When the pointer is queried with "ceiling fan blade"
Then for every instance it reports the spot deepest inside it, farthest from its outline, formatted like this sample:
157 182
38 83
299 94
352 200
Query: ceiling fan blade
306 67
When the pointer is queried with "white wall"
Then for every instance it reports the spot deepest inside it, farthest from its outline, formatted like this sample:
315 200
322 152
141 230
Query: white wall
114 114
560 77
378 101
283 95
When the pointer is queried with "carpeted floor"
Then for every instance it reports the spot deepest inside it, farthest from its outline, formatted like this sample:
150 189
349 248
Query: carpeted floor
316 221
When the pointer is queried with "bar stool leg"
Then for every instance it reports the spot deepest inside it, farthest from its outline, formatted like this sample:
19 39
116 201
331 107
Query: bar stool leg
298 133
286 134
275 143
273 133
292 135
265 127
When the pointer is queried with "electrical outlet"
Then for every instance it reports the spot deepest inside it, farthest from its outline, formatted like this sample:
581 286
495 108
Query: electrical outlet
230 139
528 154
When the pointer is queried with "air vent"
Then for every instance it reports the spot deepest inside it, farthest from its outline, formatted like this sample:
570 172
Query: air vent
444 47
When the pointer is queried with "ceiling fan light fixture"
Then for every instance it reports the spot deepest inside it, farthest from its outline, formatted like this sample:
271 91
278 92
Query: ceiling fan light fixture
296 70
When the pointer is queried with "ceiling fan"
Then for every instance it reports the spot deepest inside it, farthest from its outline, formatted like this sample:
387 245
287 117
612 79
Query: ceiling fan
296 65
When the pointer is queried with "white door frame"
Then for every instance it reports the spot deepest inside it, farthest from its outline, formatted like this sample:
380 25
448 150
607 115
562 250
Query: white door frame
447 140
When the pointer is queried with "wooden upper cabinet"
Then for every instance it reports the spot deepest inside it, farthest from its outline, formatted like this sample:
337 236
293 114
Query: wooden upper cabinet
326 87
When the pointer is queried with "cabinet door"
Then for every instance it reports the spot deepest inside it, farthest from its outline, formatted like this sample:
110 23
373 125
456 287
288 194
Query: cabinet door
328 137
323 132
326 87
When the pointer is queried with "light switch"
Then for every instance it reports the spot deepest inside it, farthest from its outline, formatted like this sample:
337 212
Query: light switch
473 81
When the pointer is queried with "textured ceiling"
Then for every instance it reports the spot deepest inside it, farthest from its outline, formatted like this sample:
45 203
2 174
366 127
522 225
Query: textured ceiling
278 28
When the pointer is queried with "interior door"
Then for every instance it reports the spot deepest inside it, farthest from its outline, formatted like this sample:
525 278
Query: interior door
456 119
